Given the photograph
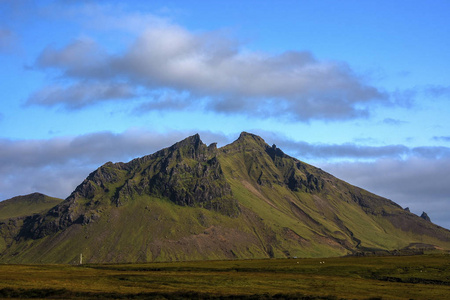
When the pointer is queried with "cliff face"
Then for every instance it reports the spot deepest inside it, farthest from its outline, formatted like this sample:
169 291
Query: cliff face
188 174
193 201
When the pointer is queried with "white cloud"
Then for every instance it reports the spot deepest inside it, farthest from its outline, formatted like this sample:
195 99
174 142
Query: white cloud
81 94
217 74
82 58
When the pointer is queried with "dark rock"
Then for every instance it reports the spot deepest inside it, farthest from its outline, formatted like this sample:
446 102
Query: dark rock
425 217
275 152
190 175
187 173
56 219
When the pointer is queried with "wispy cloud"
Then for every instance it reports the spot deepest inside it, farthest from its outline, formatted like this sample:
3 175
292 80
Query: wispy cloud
408 97
352 151
442 138
394 122
437 91
81 94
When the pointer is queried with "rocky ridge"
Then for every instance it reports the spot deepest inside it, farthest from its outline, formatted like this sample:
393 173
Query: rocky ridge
193 201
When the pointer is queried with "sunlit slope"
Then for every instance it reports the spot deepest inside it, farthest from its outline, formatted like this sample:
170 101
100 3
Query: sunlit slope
26 205
196 202
326 215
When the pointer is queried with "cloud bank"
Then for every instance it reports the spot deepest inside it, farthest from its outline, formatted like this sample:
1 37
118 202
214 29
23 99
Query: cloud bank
417 182
208 71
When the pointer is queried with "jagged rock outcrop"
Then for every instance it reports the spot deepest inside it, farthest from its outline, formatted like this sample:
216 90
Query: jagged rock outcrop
425 216
190 175
187 173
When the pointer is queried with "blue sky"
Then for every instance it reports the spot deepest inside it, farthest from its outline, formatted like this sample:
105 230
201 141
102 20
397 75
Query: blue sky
358 88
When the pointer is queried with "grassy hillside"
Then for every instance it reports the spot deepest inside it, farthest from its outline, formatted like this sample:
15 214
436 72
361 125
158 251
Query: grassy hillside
325 216
22 206
190 201
13 211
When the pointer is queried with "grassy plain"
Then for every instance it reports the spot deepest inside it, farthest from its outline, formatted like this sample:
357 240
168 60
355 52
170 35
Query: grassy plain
389 277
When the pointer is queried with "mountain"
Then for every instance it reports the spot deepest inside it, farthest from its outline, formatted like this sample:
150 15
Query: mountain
26 205
13 211
193 202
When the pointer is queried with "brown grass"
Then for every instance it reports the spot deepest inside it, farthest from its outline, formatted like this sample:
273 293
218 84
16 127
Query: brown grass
403 277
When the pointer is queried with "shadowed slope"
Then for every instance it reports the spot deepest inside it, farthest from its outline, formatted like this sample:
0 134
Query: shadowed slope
13 211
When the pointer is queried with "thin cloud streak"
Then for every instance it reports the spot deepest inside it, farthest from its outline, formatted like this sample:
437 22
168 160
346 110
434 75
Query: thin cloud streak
436 91
81 94
442 138
393 122
353 151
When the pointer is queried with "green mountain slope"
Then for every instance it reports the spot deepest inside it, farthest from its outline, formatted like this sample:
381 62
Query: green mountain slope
191 202
26 205
13 211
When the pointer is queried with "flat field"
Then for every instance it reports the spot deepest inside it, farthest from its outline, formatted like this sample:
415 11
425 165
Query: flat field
389 277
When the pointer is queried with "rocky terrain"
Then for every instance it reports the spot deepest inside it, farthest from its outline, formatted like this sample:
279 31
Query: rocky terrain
191 201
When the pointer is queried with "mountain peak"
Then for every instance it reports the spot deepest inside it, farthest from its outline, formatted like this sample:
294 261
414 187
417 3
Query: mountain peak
249 136
192 201
247 140
193 140
191 147
26 204
425 216
30 198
